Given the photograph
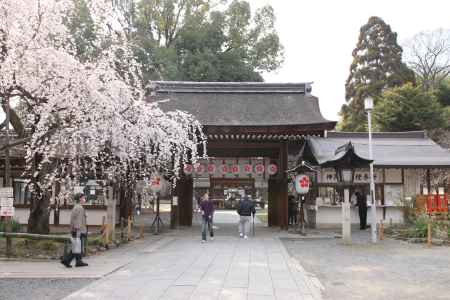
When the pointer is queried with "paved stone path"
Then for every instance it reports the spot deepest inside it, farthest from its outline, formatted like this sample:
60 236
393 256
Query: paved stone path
226 268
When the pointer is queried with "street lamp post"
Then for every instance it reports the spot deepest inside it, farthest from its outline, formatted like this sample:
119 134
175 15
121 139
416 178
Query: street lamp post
368 105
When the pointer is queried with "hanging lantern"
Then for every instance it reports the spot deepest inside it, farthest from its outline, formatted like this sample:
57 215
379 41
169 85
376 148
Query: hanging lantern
235 169
199 169
259 169
302 183
224 169
211 169
188 169
248 169
273 169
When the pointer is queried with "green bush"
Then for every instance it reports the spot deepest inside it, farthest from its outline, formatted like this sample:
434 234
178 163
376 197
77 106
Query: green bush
419 228
15 225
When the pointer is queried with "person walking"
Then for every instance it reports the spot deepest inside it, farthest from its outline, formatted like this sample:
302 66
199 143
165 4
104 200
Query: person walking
361 202
207 211
79 233
292 210
246 210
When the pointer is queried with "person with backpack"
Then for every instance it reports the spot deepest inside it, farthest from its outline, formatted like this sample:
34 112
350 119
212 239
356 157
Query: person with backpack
246 210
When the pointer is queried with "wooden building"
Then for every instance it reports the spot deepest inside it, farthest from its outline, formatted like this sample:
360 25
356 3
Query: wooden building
245 124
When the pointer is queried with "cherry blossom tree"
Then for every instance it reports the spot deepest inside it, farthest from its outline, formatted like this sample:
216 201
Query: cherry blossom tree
83 113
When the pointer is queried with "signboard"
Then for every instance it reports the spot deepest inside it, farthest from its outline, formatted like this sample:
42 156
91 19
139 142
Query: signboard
6 192
301 184
6 202
155 183
361 176
7 211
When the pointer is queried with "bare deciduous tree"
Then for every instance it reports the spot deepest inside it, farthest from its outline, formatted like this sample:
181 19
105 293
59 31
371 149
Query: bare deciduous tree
428 54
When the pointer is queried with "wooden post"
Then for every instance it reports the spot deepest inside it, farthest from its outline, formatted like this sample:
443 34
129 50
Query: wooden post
381 230
141 231
429 235
8 239
106 235
129 229
121 229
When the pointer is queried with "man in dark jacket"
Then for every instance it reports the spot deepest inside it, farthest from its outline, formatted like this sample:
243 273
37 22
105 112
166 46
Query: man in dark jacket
361 202
207 209
246 210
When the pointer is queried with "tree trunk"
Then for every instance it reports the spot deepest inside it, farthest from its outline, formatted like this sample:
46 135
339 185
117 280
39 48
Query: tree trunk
38 222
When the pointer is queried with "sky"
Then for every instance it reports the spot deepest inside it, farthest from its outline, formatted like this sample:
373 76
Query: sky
319 36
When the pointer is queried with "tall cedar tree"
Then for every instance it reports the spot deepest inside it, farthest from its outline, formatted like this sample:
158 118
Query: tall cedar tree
377 65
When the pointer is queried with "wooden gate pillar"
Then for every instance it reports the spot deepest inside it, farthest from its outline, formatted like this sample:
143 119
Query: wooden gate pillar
184 191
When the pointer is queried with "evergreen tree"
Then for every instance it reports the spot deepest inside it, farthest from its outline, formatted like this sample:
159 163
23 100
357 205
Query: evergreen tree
408 108
377 65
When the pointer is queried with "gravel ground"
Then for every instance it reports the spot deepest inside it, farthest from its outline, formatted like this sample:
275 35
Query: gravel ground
390 269
39 289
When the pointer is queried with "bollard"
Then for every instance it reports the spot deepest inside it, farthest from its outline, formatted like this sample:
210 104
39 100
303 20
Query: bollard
429 235
141 231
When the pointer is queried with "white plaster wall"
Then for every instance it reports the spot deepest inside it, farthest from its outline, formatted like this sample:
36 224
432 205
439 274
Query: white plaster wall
327 216
94 216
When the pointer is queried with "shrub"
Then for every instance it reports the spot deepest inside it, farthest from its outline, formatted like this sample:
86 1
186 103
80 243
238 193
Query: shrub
419 228
15 225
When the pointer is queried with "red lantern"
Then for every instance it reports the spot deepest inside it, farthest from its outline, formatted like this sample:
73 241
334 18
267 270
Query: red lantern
211 169
273 169
225 169
200 169
235 169
188 169
248 169
259 169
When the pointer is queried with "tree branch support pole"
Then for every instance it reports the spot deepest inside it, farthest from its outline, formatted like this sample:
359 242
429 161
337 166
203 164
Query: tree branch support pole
381 230
130 222
346 220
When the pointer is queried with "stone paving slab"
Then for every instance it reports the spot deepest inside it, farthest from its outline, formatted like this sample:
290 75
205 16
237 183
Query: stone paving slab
99 265
226 268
